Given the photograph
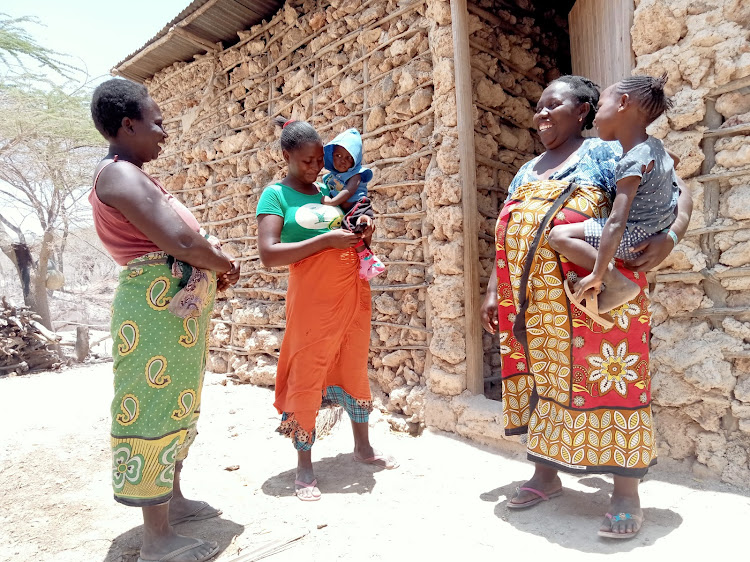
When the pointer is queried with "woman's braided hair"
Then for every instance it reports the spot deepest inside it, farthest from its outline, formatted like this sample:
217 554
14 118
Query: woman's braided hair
585 91
295 134
648 93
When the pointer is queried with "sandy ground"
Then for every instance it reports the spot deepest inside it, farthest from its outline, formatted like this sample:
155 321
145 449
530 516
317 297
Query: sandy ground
445 502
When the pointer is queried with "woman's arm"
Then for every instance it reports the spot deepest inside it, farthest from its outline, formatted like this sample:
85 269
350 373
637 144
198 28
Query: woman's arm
344 195
488 310
275 253
659 246
129 191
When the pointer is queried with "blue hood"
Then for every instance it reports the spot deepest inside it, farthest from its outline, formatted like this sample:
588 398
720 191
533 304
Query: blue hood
352 142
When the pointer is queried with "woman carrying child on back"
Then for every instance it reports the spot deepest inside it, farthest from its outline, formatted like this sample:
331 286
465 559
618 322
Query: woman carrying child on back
644 203
324 354
347 181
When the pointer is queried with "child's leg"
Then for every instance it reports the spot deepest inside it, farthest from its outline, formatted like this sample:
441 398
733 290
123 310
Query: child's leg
572 241
568 240
369 265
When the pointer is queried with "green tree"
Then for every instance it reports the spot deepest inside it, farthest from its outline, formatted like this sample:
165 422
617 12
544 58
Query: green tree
17 46
48 148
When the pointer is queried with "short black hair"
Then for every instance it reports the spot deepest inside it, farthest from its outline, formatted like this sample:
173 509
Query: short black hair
295 134
114 100
585 91
648 93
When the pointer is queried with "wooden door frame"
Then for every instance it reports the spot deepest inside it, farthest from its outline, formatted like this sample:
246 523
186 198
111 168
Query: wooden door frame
604 26
468 172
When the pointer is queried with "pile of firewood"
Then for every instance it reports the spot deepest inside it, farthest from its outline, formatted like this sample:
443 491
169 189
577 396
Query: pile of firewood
25 344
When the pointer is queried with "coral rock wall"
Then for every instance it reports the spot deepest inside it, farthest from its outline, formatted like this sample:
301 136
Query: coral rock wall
701 318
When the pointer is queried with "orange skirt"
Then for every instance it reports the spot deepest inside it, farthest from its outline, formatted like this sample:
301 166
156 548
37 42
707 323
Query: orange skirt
327 337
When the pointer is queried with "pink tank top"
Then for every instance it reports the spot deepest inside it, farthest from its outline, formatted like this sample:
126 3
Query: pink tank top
120 238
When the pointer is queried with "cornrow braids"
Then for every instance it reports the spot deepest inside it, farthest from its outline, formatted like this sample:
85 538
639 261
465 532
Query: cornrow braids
585 91
648 93
295 134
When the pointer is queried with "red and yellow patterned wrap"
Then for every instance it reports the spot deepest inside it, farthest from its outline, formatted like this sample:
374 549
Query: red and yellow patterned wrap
582 393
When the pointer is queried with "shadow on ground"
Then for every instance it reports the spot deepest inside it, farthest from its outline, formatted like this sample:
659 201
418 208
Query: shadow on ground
572 519
125 547
667 470
335 475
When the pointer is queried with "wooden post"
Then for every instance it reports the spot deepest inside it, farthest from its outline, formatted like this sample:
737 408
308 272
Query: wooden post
467 169
82 343
711 192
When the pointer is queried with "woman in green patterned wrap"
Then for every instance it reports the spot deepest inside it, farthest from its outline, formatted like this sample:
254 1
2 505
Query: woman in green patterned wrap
160 320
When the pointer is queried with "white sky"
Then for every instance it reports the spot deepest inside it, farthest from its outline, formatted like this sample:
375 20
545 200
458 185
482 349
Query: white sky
97 34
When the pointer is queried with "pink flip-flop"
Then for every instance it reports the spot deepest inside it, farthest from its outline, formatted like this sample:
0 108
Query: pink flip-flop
379 460
302 493
540 497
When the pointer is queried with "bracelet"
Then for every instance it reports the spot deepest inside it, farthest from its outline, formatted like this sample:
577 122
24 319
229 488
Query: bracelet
673 236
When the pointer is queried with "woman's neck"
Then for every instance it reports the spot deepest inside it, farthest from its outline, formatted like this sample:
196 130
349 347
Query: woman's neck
554 159
298 185
123 154
564 150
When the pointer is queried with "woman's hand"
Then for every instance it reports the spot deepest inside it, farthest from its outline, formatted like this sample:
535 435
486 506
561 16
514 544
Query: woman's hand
342 239
655 249
488 313
225 280
488 310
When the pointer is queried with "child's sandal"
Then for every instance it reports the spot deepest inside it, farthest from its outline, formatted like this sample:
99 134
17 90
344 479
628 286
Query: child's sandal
589 305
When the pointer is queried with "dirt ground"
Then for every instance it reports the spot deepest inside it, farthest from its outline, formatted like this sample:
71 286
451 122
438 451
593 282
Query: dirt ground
445 502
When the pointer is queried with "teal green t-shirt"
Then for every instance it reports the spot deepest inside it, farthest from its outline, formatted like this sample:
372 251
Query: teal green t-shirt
304 216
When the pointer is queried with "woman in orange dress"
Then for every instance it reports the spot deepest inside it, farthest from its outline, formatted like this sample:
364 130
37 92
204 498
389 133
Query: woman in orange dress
324 354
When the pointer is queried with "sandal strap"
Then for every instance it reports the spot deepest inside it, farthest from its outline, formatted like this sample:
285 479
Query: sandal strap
305 484
539 493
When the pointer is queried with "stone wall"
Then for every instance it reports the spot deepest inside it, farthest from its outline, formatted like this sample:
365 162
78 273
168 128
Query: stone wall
701 329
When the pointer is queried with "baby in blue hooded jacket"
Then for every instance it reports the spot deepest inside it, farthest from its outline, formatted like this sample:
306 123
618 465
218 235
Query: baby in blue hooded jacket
347 181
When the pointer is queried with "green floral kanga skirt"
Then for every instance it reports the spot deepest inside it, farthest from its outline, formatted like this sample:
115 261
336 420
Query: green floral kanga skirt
159 363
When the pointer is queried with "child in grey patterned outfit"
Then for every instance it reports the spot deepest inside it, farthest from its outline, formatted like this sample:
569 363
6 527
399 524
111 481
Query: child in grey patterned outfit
644 204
